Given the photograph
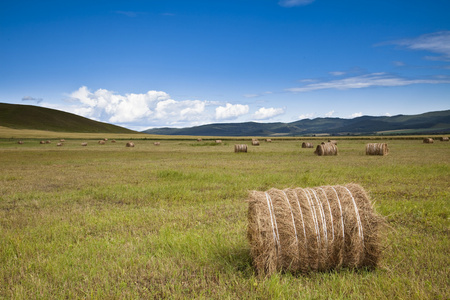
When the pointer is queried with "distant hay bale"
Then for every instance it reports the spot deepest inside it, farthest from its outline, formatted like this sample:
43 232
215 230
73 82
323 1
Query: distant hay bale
326 149
48 142
269 140
113 141
240 148
62 140
199 140
444 139
105 139
218 141
313 229
332 141
156 143
101 142
428 141
307 145
377 149
255 143
20 142
59 144
130 144
83 144
42 142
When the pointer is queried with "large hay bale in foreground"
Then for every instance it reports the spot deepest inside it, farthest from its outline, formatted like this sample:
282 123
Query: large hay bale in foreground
444 139
240 148
326 149
130 144
313 229
307 145
377 149
428 141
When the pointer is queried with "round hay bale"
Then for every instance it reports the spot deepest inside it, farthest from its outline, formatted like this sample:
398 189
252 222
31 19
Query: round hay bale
83 144
101 142
313 229
332 141
62 140
113 141
59 144
240 148
157 143
199 140
307 145
130 144
255 143
444 139
428 141
42 142
326 149
377 149
105 139
218 141
269 140
20 142
48 142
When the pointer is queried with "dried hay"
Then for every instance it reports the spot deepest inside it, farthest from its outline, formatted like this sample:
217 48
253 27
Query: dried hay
59 144
332 141
307 145
48 142
313 229
130 144
199 140
255 143
20 142
240 148
377 149
428 141
42 142
105 139
113 141
83 144
101 142
326 149
269 140
444 139
218 141
156 143
62 140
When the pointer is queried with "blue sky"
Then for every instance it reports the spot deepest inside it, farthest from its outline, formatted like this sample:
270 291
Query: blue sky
173 63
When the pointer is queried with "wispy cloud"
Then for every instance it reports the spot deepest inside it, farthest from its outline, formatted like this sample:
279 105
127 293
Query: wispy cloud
437 42
267 113
366 81
336 73
29 98
329 114
292 3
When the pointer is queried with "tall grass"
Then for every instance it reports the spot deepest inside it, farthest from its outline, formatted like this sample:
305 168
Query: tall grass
106 221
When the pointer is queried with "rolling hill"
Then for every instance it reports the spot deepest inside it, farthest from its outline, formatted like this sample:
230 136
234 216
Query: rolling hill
18 116
426 123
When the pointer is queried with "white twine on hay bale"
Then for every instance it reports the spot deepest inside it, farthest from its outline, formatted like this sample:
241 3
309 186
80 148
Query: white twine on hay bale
377 149
313 229
428 141
326 149
130 144
307 145
240 148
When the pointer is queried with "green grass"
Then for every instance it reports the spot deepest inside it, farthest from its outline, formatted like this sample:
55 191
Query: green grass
169 221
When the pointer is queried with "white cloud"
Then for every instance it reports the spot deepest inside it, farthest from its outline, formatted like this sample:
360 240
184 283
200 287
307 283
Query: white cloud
437 42
231 111
355 115
306 116
108 106
267 113
329 114
292 3
387 114
251 95
337 73
365 81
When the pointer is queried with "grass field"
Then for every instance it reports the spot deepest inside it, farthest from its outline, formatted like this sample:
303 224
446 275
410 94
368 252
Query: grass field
169 221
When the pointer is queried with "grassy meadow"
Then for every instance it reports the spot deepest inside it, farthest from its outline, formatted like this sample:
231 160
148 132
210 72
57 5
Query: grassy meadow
169 221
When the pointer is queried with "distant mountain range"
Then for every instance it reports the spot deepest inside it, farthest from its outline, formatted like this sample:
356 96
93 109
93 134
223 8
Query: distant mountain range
35 117
426 123
40 118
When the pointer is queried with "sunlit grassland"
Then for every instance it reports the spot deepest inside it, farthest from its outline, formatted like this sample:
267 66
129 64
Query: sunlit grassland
106 221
